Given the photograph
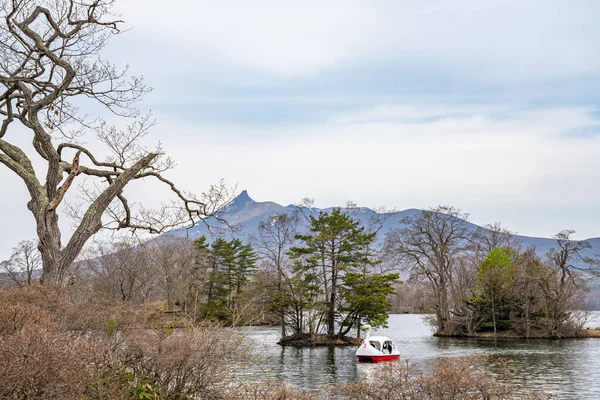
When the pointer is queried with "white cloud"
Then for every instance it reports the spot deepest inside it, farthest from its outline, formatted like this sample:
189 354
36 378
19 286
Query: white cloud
502 169
467 159
495 41
502 161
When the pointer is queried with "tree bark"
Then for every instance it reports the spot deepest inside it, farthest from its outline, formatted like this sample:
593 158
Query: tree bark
55 259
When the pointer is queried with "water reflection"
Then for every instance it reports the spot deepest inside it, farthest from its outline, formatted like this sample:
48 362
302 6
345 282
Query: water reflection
567 369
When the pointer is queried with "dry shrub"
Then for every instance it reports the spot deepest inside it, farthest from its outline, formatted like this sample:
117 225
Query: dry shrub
268 390
442 379
54 345
40 359
15 317
458 379
196 362
40 363
391 381
69 310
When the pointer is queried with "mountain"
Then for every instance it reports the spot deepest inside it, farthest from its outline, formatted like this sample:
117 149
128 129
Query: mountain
247 213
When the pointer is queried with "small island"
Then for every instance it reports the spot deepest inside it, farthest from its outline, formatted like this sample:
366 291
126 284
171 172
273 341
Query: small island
317 340
475 285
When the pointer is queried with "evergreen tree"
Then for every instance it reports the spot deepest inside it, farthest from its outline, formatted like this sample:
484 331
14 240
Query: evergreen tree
229 267
335 244
245 265
216 297
365 300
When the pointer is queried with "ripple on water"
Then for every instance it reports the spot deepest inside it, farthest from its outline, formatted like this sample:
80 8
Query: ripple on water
568 369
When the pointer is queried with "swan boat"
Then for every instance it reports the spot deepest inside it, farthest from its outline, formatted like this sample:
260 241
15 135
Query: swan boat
377 348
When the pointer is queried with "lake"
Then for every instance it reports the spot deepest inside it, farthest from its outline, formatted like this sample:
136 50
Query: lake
566 369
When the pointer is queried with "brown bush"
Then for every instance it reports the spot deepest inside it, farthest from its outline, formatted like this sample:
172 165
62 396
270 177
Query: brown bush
458 379
57 345
442 379
15 317
69 310
268 390
39 363
195 362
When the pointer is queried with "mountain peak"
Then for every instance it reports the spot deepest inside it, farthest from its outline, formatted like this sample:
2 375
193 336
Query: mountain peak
243 198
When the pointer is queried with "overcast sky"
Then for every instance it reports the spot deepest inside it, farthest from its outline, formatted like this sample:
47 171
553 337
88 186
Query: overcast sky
491 106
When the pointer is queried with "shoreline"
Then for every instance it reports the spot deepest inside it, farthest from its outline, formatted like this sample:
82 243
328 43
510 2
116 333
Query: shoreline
318 340
586 334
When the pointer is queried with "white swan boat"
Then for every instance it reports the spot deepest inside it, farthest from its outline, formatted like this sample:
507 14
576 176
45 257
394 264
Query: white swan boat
377 348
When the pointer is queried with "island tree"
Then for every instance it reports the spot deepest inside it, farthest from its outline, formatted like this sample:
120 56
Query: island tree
50 65
428 246
275 237
564 285
333 247
365 300
494 280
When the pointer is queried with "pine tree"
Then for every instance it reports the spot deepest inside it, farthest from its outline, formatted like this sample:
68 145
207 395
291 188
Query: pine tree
365 300
230 265
334 245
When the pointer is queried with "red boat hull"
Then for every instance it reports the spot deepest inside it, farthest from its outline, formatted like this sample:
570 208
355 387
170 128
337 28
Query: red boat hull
376 359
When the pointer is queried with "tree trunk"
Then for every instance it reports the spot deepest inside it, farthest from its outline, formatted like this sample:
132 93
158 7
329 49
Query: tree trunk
55 259
494 314
280 294
331 312
443 316
527 321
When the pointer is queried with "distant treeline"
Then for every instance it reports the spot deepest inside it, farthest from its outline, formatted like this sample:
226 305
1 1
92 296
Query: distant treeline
330 274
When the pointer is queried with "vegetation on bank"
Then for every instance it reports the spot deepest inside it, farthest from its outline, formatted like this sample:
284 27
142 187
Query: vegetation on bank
58 342
593 333
333 284
485 284
323 284
317 340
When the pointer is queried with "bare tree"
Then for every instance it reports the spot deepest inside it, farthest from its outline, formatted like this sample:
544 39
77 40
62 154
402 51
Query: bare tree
23 263
565 285
173 258
491 236
276 236
121 269
428 247
50 64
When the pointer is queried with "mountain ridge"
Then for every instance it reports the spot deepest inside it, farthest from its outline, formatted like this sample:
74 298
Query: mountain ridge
247 213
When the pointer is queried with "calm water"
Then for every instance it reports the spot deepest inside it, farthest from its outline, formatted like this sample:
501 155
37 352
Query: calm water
568 369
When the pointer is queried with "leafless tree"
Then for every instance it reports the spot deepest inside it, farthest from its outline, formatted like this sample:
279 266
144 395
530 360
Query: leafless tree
49 65
23 263
173 258
491 236
122 269
196 278
428 247
411 296
564 285
275 238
